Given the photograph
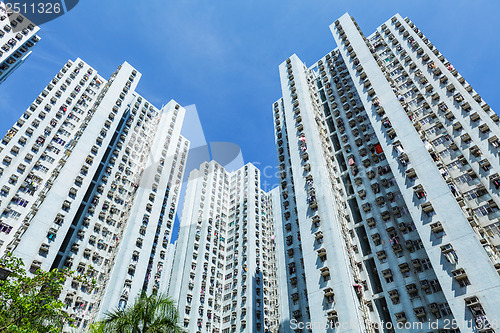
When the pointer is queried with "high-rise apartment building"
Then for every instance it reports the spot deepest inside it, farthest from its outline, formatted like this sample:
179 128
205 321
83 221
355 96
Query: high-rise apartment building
224 272
17 38
91 176
389 188
386 217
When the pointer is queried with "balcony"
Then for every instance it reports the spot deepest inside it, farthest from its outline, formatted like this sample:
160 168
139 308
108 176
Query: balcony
485 164
404 268
471 173
44 247
321 253
393 295
332 316
457 126
419 191
410 173
465 137
484 128
400 317
420 312
459 274
437 228
412 290
449 115
396 212
475 151
427 207
466 106
475 116
328 292
494 141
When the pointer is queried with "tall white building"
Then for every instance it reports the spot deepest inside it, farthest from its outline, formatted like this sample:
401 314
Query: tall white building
17 38
224 272
389 193
91 176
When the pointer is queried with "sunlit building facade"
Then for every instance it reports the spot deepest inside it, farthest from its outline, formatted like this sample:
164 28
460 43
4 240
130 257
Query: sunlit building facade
91 176
224 273
17 38
389 188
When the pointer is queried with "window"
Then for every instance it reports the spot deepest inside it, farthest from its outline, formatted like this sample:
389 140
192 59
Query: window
425 120
435 285
445 309
463 179
47 158
431 130
493 229
426 264
440 140
484 210
418 244
445 153
471 195
454 165
5 228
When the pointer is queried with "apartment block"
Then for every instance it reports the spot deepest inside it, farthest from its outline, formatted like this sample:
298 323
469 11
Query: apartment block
17 38
91 176
389 188
224 273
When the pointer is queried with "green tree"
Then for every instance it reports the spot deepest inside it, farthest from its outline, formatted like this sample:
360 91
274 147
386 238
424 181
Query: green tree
30 303
97 327
149 314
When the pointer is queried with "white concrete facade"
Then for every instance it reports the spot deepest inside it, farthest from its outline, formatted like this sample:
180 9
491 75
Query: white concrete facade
17 38
410 151
224 273
91 181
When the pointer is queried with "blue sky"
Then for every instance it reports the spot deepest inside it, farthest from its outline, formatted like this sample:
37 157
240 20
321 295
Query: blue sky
223 56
